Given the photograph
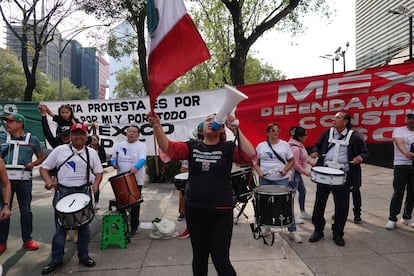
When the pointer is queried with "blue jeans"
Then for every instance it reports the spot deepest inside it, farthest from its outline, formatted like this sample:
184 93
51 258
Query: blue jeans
284 183
23 190
300 186
59 238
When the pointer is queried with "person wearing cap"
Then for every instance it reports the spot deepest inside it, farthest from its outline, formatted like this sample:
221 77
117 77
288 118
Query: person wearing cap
79 170
130 156
403 140
17 150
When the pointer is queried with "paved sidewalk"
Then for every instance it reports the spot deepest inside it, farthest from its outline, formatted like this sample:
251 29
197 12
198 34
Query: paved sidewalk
369 249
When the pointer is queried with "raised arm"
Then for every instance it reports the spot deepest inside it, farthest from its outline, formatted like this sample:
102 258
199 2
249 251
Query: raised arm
159 133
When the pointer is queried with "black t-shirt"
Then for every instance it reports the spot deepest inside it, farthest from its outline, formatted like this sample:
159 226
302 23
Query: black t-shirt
209 178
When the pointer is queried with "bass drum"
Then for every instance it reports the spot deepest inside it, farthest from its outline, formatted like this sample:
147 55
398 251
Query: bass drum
274 205
74 210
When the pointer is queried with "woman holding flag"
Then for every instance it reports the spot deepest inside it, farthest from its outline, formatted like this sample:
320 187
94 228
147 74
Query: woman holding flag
208 198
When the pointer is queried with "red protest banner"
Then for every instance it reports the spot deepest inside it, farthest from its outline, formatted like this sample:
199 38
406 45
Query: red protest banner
378 100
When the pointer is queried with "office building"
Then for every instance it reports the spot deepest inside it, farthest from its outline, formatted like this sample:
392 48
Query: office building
382 35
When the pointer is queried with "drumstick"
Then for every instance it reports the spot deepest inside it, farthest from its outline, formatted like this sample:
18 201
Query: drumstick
116 159
73 201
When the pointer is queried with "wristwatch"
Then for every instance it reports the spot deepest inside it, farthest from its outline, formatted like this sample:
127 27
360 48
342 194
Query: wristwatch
6 204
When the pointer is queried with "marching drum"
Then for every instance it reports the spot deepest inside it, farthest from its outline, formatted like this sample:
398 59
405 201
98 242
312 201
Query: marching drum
180 181
74 210
274 205
240 181
328 176
126 190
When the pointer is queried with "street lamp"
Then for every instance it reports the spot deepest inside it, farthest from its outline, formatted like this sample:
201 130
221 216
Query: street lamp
342 53
333 58
402 10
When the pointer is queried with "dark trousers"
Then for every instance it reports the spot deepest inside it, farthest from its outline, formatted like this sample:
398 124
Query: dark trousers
403 180
356 200
210 233
23 191
341 200
135 210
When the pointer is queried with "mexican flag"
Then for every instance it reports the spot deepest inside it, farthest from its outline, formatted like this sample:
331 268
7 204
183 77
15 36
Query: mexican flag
175 45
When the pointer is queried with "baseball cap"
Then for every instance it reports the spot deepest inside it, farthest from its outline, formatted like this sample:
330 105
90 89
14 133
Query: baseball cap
14 117
410 114
78 126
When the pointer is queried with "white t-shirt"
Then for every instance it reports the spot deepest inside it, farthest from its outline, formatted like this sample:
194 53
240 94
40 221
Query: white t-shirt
408 138
73 171
128 155
269 161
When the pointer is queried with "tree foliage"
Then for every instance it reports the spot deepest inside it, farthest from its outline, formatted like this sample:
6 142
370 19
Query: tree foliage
12 80
231 27
129 83
37 26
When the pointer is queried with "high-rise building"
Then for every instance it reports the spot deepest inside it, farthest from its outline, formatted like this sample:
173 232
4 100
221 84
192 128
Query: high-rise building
382 31
103 77
121 32
49 58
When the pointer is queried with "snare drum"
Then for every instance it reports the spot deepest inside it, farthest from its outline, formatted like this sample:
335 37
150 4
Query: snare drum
274 205
328 176
241 182
74 210
126 190
180 181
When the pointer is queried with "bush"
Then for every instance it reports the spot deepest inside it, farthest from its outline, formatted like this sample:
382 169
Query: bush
166 171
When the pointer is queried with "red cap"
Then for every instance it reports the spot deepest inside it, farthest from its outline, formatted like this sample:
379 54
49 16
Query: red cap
78 126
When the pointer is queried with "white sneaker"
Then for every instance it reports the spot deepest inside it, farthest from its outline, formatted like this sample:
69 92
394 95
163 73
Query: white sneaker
305 215
298 220
97 206
390 225
407 222
293 236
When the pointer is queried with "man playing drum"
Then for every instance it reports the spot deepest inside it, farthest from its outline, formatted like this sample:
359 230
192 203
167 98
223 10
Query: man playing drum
79 170
343 149
130 156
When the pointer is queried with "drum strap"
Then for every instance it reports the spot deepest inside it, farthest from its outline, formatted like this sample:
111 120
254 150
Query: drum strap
88 168
275 153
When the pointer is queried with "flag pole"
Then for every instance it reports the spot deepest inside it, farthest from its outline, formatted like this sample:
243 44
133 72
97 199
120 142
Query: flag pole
157 171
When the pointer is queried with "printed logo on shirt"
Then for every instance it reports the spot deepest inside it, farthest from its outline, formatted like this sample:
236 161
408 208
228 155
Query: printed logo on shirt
124 150
72 164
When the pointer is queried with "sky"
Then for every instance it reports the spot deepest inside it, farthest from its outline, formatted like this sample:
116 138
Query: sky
300 56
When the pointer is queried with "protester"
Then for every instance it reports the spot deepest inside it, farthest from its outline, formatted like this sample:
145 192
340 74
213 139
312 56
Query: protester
403 140
209 196
130 156
79 170
102 156
340 148
54 141
64 119
17 150
302 159
275 167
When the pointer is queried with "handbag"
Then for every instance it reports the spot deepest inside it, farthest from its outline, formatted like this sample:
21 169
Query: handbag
291 171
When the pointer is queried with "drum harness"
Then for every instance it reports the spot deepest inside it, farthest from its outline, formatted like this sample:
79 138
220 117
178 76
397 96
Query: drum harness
14 145
88 170
336 144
